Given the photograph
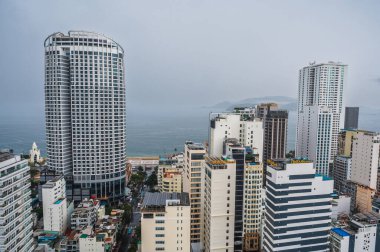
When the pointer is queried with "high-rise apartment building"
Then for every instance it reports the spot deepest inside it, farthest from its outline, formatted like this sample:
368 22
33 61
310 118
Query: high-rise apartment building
320 104
342 171
253 203
317 135
365 158
298 207
248 195
351 118
169 178
193 184
85 111
234 150
165 222
345 140
16 233
219 204
54 205
241 125
275 134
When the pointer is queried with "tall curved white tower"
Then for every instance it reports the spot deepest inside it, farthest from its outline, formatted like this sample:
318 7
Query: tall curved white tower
86 111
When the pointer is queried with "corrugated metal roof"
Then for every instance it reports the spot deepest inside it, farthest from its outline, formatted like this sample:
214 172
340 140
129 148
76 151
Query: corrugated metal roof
159 199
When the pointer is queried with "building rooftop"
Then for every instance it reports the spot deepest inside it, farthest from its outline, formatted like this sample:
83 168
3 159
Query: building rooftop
5 155
158 200
280 164
340 232
218 162
194 146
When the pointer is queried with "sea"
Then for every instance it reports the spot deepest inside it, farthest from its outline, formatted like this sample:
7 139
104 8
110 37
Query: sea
148 133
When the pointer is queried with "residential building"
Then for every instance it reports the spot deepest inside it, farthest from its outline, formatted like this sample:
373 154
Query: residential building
234 150
219 204
85 111
365 158
361 196
241 125
320 99
147 163
16 232
275 134
261 110
345 141
253 204
70 242
55 205
298 207
169 178
341 205
351 118
360 234
85 214
193 184
248 201
314 136
342 171
364 195
165 222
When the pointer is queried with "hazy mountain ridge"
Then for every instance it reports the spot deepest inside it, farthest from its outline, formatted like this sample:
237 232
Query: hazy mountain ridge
284 102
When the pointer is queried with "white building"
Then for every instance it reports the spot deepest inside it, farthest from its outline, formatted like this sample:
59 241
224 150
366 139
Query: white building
359 235
253 206
165 222
35 155
365 158
85 214
320 85
342 171
85 111
315 138
54 204
340 206
298 207
242 126
91 243
219 204
193 184
16 232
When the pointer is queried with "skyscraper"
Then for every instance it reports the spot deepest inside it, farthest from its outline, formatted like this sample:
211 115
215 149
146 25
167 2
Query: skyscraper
193 183
298 207
85 110
351 118
219 204
275 134
241 125
320 99
16 233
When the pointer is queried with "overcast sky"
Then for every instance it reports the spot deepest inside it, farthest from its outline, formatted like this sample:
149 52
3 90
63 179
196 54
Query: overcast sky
197 53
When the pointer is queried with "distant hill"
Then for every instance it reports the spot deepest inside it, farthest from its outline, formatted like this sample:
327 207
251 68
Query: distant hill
285 102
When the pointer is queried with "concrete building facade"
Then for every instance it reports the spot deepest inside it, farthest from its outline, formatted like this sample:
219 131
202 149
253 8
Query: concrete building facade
16 233
165 222
55 205
351 118
241 125
298 207
193 184
320 86
219 204
365 158
85 111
